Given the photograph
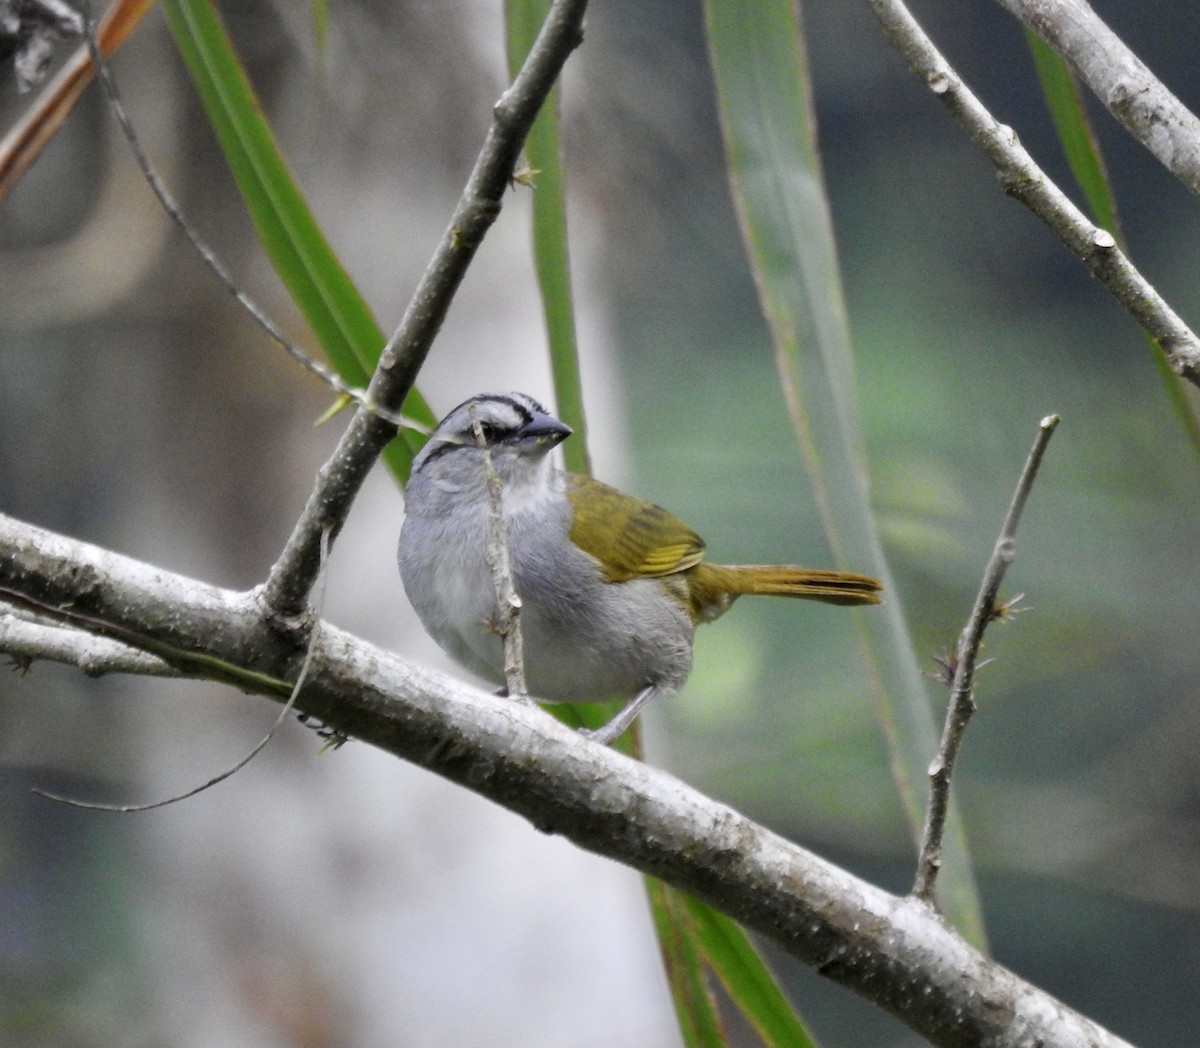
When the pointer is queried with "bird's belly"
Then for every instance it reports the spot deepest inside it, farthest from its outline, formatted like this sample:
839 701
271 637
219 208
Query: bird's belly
585 639
610 644
455 601
575 650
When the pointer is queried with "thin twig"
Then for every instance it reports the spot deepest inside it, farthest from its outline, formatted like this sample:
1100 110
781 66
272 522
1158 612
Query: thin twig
1022 178
209 257
254 752
203 664
499 560
338 482
965 663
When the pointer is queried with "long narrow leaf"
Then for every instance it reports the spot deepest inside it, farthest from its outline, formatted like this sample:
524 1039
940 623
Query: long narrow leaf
695 1006
299 251
1065 102
551 257
737 963
766 115
545 178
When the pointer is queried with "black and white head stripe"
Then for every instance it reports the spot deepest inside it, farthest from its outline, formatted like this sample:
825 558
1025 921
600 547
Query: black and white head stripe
501 417
491 408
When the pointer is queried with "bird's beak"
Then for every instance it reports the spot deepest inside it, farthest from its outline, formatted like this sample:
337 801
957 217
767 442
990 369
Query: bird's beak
543 431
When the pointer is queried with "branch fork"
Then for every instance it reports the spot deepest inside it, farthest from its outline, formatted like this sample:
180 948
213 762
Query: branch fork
292 576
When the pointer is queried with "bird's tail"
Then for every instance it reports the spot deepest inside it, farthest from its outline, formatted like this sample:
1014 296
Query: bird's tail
785 580
715 586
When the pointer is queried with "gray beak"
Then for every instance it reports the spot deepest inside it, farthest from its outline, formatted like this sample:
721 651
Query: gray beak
543 431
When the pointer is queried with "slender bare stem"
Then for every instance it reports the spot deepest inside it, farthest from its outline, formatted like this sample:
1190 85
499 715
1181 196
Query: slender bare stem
964 664
1023 179
338 482
233 769
26 640
499 560
209 257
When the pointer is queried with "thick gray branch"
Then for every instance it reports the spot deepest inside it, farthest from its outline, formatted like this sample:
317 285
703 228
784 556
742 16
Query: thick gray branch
339 480
1133 94
1023 179
895 951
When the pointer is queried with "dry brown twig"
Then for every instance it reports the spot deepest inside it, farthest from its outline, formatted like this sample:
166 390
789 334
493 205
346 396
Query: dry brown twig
499 559
961 668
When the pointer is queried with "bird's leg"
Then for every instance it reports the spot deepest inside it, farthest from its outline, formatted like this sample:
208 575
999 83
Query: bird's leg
617 727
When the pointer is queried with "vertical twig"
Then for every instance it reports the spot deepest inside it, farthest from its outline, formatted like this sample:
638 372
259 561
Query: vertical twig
964 664
499 559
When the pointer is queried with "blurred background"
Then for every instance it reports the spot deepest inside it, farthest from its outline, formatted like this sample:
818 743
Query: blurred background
346 899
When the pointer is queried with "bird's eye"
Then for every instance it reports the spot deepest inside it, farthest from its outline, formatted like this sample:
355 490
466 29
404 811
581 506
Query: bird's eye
485 430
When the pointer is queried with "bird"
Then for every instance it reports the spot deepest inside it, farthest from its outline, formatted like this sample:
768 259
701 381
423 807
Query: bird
611 586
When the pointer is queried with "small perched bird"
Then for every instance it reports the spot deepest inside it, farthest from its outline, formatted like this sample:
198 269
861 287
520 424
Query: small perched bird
611 586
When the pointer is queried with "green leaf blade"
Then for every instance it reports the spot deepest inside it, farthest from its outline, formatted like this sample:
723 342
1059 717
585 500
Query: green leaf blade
1065 103
1064 100
746 978
695 1006
552 263
766 113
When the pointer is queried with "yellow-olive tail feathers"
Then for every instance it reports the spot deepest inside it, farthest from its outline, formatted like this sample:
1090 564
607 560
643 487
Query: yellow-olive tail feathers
784 580
833 587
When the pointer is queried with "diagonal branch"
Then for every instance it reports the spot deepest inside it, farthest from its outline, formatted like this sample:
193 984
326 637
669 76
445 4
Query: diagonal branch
966 659
339 480
897 952
1023 179
1129 90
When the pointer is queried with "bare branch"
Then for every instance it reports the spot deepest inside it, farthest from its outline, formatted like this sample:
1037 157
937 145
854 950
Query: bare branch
339 480
508 601
895 951
26 641
1129 90
1023 179
962 686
